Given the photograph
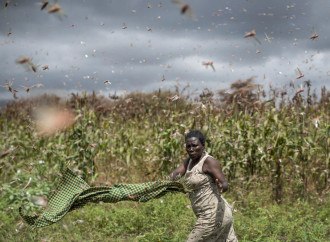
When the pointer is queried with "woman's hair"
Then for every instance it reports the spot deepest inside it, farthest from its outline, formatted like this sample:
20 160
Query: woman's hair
197 134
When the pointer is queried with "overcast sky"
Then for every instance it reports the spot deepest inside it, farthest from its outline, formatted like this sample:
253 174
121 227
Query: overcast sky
88 45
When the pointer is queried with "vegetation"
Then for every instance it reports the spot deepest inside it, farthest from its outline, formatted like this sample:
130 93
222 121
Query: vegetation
274 150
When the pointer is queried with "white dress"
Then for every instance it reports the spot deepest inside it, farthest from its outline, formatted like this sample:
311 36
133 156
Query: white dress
214 214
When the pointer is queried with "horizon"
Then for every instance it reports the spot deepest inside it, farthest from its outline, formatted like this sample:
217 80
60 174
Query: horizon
194 93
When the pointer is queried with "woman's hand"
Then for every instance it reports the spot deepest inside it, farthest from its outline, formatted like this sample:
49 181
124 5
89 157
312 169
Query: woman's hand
219 185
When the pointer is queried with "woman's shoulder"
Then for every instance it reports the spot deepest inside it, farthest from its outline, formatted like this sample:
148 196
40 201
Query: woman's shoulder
210 158
186 161
209 162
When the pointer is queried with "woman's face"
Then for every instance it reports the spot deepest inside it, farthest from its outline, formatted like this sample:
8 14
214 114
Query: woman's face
194 148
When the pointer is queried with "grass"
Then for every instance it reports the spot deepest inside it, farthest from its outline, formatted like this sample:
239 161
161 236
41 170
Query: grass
171 219
275 157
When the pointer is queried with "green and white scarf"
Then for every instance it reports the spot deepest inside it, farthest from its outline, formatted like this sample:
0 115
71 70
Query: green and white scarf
73 193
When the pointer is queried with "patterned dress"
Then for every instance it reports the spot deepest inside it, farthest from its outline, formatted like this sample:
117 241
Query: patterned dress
214 214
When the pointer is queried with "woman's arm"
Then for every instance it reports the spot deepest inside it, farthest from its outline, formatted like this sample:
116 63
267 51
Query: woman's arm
212 167
180 171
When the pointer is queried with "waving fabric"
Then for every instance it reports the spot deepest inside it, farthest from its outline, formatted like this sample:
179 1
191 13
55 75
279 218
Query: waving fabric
73 193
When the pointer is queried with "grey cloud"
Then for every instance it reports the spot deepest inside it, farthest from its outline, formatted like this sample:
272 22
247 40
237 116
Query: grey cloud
136 59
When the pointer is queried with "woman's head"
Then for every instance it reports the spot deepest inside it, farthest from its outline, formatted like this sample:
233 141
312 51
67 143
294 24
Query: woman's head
197 134
195 144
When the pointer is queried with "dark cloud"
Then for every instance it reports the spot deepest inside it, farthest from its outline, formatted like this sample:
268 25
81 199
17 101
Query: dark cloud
89 45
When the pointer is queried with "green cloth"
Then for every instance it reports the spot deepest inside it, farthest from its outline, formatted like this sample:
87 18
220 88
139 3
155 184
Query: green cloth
73 192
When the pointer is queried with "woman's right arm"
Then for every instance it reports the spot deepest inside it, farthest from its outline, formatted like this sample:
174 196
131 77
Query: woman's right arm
180 171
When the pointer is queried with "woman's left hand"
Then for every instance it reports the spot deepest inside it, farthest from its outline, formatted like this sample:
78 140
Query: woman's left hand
219 185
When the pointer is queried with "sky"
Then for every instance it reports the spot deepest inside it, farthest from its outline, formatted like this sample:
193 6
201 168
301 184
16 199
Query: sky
116 46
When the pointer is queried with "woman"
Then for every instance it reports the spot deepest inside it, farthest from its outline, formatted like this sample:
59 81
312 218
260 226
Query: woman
204 176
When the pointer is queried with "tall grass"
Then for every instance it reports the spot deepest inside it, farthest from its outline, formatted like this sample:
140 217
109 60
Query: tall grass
140 137
276 142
